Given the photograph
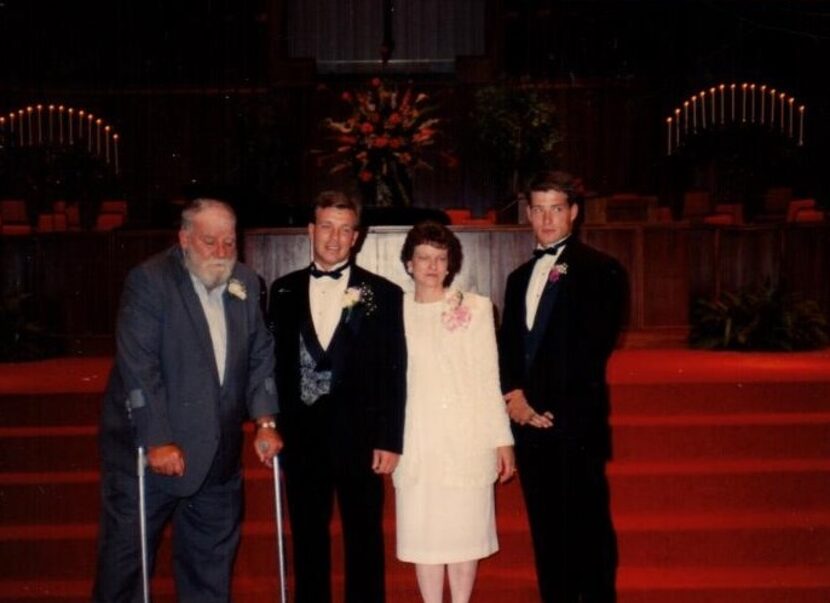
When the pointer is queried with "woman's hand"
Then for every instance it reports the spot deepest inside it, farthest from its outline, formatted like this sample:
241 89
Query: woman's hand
506 463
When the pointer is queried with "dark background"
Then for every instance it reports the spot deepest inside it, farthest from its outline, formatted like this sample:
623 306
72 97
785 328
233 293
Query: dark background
225 97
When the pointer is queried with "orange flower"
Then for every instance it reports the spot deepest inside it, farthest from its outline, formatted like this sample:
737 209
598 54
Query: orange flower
366 176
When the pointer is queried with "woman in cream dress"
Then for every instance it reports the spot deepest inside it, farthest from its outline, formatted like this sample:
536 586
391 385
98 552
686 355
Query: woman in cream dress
457 439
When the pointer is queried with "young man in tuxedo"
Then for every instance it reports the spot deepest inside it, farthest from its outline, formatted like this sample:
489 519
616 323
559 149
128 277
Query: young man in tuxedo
194 360
562 314
341 375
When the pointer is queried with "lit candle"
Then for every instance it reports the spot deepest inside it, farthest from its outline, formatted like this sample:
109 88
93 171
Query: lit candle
743 102
752 104
791 115
677 127
51 112
107 140
89 119
703 109
694 113
3 129
39 124
60 123
781 98
22 125
115 151
668 137
11 126
722 114
31 130
685 117
98 136
80 124
71 111
772 107
801 125
763 100
732 90
714 113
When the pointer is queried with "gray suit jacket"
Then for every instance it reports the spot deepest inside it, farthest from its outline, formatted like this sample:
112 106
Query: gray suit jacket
164 387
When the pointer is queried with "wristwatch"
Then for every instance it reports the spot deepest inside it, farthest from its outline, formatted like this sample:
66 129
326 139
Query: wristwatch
266 424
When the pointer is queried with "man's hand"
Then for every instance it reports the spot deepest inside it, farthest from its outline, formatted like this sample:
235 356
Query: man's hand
167 459
506 463
523 413
267 443
384 462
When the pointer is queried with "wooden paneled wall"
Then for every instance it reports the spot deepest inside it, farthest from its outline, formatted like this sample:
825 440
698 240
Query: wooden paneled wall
74 279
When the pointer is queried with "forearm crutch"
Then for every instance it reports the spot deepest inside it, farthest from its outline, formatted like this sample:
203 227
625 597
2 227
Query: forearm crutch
280 541
142 523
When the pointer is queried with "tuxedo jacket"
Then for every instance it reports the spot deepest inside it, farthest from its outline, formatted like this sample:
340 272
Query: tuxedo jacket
164 387
367 359
560 363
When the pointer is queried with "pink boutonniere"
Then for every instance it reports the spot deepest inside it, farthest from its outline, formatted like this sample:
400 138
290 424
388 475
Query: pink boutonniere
456 315
557 272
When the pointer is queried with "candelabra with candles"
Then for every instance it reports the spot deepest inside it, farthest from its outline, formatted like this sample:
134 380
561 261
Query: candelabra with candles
743 103
55 124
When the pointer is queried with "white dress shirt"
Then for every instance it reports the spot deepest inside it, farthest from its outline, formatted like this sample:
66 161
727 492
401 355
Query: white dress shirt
538 281
213 304
325 296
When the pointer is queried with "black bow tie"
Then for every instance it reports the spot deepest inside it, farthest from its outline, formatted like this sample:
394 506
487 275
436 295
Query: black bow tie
538 253
335 274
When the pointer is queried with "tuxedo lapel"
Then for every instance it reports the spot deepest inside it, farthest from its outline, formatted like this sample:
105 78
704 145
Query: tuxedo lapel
194 310
307 331
550 296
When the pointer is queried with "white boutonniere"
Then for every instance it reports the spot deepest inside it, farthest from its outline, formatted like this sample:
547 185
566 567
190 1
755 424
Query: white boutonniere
237 289
557 272
362 295
456 314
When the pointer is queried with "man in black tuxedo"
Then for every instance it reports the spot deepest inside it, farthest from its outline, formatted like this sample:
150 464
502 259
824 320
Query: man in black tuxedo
562 314
341 374
194 360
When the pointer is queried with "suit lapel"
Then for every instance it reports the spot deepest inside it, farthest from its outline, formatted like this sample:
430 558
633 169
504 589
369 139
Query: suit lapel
194 309
235 328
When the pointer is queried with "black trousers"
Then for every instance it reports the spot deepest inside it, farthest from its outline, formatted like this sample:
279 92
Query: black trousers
205 538
568 506
316 473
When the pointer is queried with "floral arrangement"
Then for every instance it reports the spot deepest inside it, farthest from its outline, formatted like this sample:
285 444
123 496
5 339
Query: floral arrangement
384 138
360 295
456 315
557 272
237 289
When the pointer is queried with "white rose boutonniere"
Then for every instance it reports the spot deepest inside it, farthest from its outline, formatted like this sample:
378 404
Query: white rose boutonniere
237 289
362 295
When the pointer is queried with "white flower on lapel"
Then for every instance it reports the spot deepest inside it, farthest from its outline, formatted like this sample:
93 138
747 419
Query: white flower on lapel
237 289
362 295
557 272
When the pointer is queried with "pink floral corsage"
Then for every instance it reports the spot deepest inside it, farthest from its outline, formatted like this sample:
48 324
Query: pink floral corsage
456 315
557 272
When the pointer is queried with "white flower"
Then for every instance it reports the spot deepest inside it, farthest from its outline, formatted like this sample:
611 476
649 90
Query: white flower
557 272
351 297
237 289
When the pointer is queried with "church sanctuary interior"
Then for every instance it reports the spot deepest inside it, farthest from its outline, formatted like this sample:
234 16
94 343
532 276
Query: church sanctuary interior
699 131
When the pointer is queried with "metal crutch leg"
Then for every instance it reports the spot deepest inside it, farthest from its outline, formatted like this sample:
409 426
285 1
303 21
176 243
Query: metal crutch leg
280 539
142 522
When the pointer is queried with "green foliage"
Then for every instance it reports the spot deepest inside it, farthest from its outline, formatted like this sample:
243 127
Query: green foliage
516 125
758 318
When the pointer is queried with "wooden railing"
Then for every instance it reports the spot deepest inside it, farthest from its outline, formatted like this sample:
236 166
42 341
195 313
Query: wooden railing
75 278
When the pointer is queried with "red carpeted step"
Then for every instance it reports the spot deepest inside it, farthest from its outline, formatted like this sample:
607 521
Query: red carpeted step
684 398
49 409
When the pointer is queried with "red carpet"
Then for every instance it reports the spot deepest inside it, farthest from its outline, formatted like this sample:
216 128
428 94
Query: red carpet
720 486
